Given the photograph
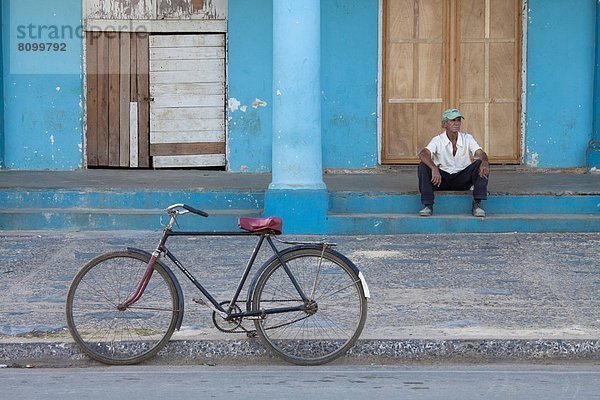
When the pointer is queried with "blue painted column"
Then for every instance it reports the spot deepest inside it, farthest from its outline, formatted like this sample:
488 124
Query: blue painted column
593 151
297 192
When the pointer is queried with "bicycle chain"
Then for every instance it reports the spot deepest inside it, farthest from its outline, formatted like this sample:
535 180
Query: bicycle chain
250 333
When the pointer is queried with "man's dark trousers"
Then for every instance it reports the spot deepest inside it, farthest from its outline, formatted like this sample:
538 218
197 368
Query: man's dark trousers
462 180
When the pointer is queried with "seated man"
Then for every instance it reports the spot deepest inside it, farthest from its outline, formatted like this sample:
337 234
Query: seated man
446 165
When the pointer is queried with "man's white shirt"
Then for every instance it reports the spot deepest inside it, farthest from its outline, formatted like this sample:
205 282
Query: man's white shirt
441 152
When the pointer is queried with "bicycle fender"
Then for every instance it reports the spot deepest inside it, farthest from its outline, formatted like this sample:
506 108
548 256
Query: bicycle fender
173 278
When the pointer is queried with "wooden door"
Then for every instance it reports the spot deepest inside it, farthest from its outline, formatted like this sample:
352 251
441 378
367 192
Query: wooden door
451 53
187 87
117 96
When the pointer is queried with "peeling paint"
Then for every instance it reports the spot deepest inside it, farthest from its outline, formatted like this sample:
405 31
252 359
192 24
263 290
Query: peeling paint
156 9
259 103
120 9
197 5
534 160
233 104
205 9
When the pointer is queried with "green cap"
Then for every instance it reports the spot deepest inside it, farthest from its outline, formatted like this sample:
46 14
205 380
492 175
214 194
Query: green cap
451 113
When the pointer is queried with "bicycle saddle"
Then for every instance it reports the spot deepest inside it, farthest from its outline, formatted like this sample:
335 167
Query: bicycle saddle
273 224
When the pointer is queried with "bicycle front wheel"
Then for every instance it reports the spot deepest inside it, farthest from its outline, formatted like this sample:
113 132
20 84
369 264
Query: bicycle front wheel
332 318
115 336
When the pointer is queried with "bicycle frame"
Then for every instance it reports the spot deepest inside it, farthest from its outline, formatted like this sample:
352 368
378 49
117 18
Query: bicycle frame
228 313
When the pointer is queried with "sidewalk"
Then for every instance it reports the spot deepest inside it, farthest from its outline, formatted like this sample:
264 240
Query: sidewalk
504 180
434 297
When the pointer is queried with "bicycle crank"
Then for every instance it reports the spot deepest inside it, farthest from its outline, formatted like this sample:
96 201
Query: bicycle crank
231 325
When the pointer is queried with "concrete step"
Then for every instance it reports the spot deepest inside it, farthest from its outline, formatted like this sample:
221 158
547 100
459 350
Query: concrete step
349 212
460 203
209 199
393 213
114 209
387 224
116 219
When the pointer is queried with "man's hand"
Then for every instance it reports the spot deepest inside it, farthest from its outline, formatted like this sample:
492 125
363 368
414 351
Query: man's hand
436 177
425 157
484 167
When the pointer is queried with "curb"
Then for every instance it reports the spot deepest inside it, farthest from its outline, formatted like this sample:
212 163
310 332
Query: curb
65 354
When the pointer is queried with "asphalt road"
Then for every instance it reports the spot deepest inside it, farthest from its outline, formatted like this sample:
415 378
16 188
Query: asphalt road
448 382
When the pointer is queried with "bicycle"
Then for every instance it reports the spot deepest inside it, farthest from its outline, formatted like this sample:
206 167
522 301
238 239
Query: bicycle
308 302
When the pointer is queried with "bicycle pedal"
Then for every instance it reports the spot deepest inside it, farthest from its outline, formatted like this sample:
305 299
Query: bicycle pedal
202 302
199 301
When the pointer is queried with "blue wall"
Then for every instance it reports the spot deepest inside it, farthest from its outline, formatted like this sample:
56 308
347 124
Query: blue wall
250 75
560 82
43 91
43 114
349 63
349 40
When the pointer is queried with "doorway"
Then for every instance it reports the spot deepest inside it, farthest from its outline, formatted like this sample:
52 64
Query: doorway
451 53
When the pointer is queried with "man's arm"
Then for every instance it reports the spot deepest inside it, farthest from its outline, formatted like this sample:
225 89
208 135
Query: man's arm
425 157
484 169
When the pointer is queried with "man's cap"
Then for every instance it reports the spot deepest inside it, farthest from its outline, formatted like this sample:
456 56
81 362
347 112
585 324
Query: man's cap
451 113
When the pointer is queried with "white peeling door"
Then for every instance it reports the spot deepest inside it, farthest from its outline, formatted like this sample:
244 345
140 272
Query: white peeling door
187 111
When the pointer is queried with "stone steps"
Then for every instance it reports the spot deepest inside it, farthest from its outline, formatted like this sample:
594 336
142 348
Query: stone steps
350 212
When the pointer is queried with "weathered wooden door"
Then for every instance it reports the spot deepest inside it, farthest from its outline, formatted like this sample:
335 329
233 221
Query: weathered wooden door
187 111
117 100
451 53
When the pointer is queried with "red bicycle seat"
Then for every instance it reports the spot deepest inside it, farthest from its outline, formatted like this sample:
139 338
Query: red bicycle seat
273 224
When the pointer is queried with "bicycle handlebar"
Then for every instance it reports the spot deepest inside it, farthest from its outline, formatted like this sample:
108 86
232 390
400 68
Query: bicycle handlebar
195 211
172 209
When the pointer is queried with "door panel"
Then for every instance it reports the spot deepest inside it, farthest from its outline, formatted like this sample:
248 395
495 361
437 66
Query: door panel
502 79
501 115
117 77
472 72
504 19
187 122
430 66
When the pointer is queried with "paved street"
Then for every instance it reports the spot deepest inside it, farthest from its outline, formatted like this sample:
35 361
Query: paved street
448 382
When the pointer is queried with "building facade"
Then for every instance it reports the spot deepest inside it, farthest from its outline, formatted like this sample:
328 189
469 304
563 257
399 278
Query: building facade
247 86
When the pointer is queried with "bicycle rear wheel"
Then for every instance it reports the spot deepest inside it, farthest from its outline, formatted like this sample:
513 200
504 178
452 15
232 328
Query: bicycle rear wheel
332 319
115 336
